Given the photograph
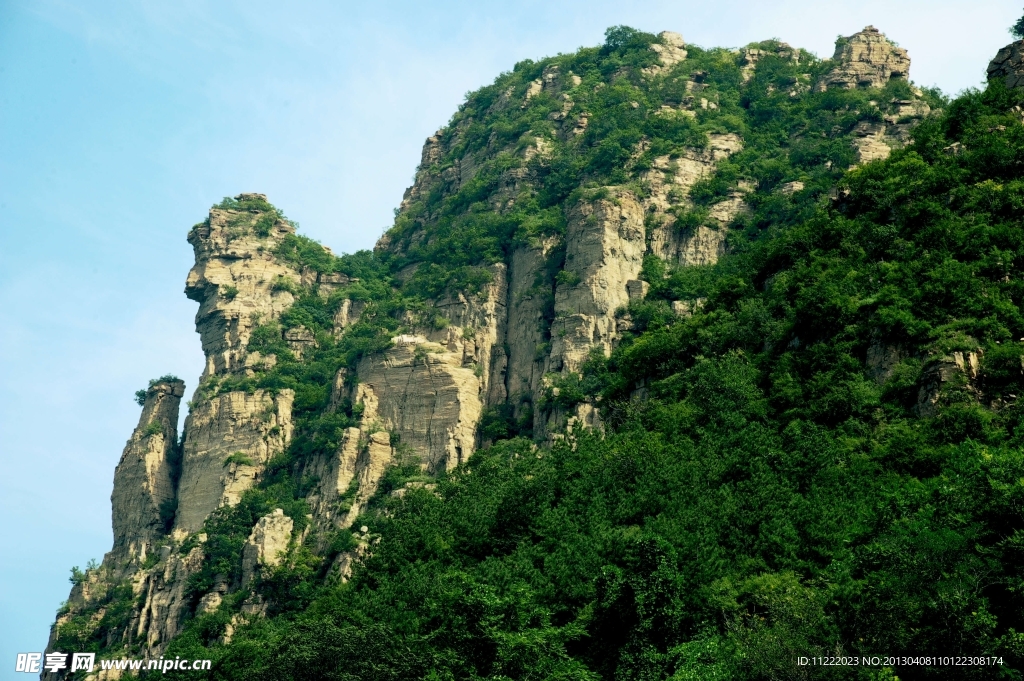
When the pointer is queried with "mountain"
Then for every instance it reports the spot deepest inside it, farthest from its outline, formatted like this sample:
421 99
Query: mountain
677 363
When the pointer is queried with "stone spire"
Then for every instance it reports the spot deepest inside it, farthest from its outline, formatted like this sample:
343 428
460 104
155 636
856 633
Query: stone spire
142 502
866 59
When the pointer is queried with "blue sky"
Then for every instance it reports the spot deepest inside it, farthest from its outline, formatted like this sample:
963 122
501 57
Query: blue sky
122 122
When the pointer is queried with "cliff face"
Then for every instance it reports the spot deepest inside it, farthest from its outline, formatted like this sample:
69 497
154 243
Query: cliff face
327 373
145 479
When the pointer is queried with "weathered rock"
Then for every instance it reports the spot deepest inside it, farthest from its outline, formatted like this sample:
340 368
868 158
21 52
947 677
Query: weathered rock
373 460
335 474
866 59
636 289
670 52
527 336
347 315
426 393
686 308
142 501
228 441
670 181
267 544
870 142
604 249
1008 64
954 368
881 360
237 283
163 592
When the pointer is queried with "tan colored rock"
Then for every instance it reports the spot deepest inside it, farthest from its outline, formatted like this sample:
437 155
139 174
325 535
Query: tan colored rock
636 289
686 308
670 179
670 51
526 335
228 441
335 473
942 370
144 478
1008 64
866 59
267 544
300 340
347 315
374 459
869 140
236 282
427 394
163 592
605 247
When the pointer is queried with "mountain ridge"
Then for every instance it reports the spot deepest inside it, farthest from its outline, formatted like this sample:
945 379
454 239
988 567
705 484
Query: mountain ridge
642 254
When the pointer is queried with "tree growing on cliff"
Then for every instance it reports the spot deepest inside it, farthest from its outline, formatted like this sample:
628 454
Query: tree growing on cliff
1017 30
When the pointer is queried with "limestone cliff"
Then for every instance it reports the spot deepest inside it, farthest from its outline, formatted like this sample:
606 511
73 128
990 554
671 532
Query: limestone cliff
145 479
529 242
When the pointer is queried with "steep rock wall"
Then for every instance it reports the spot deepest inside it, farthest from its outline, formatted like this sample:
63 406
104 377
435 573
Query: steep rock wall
146 476
229 440
238 283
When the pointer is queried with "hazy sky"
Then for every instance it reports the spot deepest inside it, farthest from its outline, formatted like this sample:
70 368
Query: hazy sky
122 122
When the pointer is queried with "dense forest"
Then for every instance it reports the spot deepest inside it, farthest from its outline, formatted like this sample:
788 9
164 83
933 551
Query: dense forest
825 458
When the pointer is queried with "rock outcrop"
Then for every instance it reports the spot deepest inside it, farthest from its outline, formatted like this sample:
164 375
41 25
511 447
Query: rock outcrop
605 246
670 50
1008 64
238 284
426 392
267 544
228 441
866 59
145 479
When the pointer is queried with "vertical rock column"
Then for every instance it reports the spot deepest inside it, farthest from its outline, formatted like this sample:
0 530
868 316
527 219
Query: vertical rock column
144 482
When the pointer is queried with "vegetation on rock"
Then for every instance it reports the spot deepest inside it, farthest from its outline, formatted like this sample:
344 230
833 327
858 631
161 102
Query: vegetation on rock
824 457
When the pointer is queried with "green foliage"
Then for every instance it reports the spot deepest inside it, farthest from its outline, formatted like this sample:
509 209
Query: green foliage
229 292
140 395
238 458
1017 30
764 486
154 428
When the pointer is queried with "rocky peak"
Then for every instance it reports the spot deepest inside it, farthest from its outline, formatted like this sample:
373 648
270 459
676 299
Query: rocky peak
671 50
144 481
1008 64
236 279
866 59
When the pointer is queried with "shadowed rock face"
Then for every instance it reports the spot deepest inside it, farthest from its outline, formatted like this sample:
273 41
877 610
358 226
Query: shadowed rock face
866 59
145 478
1008 64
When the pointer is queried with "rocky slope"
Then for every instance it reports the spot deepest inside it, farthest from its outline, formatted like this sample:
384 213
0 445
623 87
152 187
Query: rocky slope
493 325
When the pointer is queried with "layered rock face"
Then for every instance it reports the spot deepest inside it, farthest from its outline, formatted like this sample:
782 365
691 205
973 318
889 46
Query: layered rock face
555 297
228 441
237 283
604 251
866 59
143 499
